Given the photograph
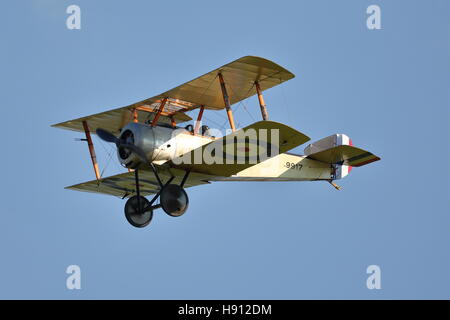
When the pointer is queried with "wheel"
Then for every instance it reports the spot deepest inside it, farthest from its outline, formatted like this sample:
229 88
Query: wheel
134 213
174 200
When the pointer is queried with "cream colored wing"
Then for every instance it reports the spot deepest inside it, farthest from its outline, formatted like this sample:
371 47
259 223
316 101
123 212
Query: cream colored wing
114 120
241 149
239 76
123 185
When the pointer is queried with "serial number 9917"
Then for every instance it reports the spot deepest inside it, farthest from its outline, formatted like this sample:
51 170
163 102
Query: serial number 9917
292 165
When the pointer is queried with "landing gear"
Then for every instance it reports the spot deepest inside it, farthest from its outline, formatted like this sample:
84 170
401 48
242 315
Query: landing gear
135 214
173 200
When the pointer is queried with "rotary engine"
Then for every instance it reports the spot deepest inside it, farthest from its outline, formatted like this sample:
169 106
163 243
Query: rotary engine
146 138
157 143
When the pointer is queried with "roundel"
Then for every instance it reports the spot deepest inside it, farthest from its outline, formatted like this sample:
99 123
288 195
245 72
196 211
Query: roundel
247 150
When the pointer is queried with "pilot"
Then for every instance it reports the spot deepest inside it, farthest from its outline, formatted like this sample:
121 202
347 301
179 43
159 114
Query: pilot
190 128
204 130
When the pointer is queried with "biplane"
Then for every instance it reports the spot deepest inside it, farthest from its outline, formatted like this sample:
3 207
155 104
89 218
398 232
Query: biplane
163 156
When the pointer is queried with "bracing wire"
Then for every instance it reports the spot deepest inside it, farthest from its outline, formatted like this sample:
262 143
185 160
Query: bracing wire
109 156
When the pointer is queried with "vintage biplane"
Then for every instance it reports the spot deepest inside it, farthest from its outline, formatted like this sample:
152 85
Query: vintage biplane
161 157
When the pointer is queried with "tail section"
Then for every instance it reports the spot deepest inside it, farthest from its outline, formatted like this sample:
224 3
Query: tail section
338 150
341 171
334 140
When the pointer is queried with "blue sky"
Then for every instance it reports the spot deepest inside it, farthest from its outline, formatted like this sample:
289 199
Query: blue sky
387 89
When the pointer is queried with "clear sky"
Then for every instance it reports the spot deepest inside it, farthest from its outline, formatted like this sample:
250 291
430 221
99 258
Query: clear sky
387 89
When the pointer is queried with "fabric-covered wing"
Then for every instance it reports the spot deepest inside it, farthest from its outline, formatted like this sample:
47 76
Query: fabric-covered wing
239 76
114 120
123 185
241 149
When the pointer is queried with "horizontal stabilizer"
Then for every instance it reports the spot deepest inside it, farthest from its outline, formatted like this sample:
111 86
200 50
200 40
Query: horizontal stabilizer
345 155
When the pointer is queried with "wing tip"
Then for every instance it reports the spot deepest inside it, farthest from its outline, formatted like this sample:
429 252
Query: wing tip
375 158
292 75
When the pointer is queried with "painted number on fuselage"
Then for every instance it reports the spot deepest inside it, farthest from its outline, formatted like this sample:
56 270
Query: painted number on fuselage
292 165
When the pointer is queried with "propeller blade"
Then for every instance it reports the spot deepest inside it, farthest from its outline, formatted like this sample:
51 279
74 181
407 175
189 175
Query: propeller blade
109 137
106 135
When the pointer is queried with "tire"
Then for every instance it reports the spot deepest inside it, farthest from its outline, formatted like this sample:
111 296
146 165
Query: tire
134 216
174 200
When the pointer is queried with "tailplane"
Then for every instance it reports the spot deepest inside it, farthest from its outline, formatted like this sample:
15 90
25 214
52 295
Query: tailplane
338 150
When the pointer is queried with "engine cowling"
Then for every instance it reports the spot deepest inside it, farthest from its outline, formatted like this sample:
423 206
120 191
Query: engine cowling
159 143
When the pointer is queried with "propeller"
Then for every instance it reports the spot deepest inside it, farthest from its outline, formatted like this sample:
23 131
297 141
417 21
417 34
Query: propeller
109 137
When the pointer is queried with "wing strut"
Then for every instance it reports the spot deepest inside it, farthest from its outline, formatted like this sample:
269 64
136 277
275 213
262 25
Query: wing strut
262 104
135 116
226 100
199 120
91 149
158 114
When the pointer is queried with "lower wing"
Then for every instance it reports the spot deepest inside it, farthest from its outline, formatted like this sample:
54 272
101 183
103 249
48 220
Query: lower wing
241 149
123 185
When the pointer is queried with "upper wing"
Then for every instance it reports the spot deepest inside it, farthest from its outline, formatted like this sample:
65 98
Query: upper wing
123 185
241 149
345 155
239 75
114 120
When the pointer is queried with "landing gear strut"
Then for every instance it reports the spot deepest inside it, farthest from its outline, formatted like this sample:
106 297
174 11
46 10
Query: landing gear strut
173 200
